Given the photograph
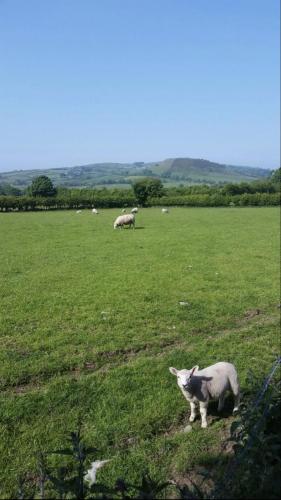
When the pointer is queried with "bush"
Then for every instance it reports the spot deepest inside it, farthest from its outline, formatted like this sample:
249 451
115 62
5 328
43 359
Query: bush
146 188
115 198
255 470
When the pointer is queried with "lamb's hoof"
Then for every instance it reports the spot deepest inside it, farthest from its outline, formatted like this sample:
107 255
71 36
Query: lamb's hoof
204 425
235 410
191 419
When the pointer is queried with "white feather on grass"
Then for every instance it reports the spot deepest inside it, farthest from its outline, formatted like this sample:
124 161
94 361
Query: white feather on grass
91 473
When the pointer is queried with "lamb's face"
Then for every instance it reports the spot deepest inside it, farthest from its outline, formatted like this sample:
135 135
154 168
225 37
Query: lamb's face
183 376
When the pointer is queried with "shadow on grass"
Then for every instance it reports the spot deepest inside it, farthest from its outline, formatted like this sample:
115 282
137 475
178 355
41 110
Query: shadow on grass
227 410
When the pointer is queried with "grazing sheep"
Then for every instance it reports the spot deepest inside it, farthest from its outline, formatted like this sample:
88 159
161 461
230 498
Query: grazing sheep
94 211
199 386
125 220
134 210
78 211
165 211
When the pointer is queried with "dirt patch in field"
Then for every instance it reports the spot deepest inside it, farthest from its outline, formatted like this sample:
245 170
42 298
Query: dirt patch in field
195 482
251 317
252 313
213 416
204 478
24 388
128 353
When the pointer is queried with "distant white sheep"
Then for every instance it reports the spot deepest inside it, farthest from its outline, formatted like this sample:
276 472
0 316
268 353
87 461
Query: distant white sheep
134 210
199 386
165 211
78 211
125 220
94 211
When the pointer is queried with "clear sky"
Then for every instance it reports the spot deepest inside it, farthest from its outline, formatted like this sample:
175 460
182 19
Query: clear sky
138 80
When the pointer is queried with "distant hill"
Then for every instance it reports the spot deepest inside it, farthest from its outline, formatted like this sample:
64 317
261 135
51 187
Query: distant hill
170 171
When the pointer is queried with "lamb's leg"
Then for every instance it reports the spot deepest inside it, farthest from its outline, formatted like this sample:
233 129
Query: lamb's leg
203 413
221 402
236 402
236 392
193 412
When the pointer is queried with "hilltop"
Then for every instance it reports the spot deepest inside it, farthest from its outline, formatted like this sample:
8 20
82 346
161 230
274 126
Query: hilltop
171 171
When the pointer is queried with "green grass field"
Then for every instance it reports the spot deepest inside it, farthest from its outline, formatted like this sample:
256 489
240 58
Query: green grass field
91 321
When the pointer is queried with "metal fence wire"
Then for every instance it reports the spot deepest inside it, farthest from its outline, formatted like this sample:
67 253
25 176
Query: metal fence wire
238 459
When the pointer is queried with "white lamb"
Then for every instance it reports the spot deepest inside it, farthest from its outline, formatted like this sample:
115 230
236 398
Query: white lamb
134 210
94 211
125 220
165 211
78 211
199 386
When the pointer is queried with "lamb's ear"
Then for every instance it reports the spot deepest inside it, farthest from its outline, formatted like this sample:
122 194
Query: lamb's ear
194 369
174 371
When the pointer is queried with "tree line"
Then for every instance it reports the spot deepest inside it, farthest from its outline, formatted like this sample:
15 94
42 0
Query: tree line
43 195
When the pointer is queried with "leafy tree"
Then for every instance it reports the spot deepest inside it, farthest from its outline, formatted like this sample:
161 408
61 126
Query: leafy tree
276 176
42 186
232 189
146 188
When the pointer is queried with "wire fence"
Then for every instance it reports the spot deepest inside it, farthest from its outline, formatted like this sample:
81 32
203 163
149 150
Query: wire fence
238 459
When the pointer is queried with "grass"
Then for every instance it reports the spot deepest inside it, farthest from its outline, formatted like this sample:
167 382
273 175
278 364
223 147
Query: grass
91 321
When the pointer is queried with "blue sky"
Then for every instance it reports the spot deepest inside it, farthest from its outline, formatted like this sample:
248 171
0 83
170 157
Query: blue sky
138 80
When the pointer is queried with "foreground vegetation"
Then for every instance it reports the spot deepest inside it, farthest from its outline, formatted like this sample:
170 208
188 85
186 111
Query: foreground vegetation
252 471
42 195
91 321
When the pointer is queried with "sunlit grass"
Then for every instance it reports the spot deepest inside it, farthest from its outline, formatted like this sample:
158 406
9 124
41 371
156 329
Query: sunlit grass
91 321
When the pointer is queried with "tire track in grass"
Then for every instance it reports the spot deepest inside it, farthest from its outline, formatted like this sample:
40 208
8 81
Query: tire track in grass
106 360
112 359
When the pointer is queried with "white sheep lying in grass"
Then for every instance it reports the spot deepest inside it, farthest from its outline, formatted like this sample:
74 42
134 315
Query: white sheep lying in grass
199 386
78 211
134 210
125 220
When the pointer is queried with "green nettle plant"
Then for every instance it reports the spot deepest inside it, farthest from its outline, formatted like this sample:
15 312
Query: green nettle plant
76 482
